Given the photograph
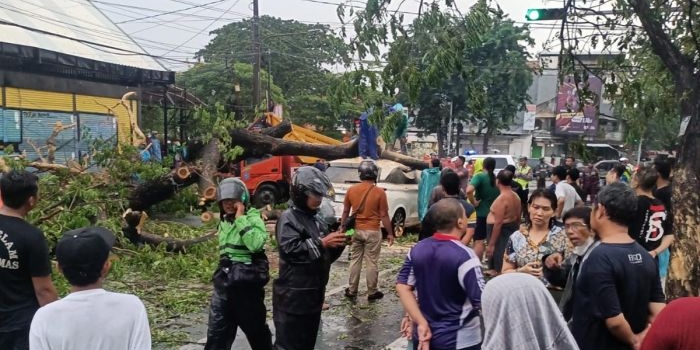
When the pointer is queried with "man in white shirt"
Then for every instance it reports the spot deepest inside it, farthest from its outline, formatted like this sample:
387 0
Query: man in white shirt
567 197
89 317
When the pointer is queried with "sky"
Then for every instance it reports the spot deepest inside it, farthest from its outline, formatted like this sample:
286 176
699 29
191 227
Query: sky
168 28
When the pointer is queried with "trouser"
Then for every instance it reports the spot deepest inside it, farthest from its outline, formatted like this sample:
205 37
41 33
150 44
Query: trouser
295 332
496 261
15 340
413 344
365 244
523 193
238 307
368 140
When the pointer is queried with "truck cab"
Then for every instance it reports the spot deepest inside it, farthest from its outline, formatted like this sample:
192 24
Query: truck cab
267 178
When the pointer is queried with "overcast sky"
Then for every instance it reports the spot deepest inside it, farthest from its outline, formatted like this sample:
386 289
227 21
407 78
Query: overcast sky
180 34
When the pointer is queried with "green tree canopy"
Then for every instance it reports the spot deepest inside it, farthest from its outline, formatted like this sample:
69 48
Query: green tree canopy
215 82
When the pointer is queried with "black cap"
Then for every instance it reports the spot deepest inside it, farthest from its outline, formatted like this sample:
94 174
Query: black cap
85 249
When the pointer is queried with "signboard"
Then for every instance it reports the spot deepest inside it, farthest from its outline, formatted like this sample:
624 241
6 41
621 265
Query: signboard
529 121
571 117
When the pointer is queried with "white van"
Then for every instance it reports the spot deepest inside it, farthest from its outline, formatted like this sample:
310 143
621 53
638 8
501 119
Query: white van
502 160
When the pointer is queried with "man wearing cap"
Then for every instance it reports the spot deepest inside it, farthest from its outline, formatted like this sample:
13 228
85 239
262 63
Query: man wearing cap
89 317
25 269
523 176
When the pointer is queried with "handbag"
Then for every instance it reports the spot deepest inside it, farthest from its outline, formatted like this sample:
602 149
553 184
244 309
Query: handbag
351 220
237 274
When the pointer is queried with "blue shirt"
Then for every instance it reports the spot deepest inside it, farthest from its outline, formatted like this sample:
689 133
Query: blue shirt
447 277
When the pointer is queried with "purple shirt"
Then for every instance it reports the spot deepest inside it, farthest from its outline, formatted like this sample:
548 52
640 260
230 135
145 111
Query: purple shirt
447 277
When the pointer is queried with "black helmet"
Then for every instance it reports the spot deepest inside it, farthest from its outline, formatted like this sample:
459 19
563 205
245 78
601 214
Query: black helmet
309 179
368 170
232 188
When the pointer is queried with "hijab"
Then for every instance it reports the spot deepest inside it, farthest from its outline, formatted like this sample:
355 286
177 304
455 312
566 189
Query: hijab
520 314
478 165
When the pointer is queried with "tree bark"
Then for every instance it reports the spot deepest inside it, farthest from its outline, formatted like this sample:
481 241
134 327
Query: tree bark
684 272
487 138
208 164
259 145
155 191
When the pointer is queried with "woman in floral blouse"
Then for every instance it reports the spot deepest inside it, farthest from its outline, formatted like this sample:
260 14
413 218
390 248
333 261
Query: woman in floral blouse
541 237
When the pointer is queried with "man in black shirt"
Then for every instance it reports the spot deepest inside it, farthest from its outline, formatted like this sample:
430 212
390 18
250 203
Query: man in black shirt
663 186
25 269
618 291
651 226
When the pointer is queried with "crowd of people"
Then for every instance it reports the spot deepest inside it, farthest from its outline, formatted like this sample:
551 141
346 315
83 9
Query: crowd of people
562 275
568 276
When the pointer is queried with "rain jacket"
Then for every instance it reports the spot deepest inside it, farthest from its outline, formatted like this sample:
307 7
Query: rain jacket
429 178
246 235
304 264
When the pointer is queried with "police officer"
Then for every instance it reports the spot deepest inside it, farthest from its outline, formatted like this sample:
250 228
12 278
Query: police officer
305 256
239 281
523 176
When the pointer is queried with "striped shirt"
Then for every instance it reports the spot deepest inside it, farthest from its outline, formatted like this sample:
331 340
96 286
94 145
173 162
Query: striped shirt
447 277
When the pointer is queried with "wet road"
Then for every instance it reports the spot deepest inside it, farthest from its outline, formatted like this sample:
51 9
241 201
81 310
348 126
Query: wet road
346 325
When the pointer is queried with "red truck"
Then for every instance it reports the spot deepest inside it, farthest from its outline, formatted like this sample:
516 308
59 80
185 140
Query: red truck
268 178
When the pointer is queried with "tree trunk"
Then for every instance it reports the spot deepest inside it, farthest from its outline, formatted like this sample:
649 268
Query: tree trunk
155 191
684 271
206 186
258 145
485 145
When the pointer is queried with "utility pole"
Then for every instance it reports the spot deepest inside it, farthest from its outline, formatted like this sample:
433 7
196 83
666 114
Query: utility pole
256 58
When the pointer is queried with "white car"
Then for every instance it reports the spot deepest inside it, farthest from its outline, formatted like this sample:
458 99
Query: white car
502 160
399 182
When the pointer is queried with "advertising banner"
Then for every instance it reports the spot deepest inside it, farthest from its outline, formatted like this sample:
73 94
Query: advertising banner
571 117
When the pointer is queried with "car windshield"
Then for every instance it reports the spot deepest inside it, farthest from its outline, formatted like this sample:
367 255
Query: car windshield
348 175
342 175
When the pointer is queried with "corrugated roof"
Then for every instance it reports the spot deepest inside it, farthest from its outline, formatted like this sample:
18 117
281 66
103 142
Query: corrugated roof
78 19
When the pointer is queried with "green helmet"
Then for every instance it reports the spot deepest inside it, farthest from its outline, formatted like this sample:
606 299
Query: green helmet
232 188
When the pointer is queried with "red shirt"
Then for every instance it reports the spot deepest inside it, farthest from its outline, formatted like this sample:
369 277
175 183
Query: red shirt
676 327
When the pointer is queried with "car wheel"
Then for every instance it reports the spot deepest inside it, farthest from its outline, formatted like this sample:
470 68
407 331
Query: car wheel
398 222
264 195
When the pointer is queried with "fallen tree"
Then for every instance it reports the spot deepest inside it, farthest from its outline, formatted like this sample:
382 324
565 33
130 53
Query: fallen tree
203 169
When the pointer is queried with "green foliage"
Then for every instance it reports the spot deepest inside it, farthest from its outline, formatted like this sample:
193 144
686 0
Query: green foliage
474 65
647 102
215 82
171 285
295 53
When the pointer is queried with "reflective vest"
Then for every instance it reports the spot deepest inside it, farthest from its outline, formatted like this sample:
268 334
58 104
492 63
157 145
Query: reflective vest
523 171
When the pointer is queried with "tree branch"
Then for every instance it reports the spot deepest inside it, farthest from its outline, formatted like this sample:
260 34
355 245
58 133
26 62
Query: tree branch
693 35
680 66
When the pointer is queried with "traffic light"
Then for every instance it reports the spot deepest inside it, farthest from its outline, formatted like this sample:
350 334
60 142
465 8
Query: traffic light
545 14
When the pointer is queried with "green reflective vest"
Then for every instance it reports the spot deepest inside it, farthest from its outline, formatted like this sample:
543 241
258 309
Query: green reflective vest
523 171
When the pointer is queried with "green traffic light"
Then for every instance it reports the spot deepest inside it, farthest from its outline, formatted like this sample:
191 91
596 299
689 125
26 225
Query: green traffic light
532 15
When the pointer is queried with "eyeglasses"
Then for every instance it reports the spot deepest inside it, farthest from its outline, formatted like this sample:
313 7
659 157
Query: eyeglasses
575 226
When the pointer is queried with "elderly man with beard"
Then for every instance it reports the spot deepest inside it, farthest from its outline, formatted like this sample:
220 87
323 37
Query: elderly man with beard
562 272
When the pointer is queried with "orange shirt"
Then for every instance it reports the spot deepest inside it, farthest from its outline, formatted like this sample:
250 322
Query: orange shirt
376 205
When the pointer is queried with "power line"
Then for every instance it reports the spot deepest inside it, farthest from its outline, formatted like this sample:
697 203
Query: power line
169 12
87 42
107 34
203 29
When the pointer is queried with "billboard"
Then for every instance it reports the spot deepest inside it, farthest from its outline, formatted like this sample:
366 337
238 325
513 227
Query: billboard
571 117
529 117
